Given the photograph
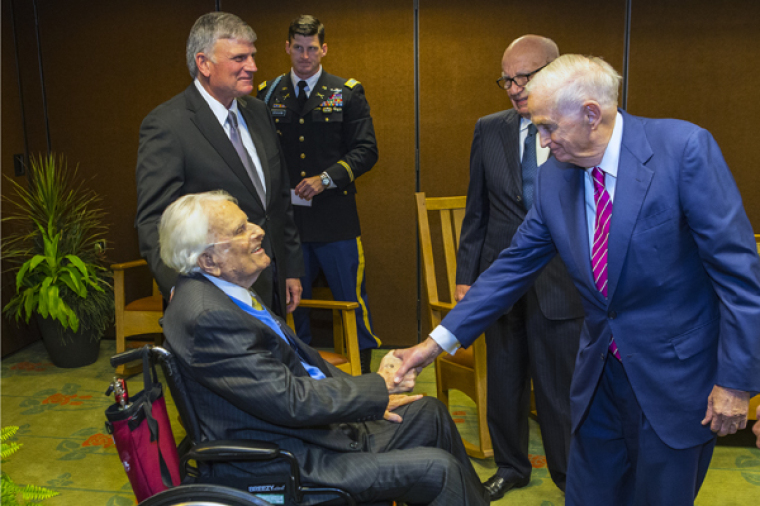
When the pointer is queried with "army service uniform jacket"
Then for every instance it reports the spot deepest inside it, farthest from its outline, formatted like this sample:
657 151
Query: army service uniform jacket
333 134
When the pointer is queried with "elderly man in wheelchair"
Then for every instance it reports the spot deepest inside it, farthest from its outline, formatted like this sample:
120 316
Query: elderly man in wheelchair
250 378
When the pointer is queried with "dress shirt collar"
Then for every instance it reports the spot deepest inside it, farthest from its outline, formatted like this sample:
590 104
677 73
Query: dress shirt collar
542 154
611 156
310 82
232 290
217 108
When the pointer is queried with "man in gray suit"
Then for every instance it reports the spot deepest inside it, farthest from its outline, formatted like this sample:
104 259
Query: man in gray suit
213 136
538 337
250 377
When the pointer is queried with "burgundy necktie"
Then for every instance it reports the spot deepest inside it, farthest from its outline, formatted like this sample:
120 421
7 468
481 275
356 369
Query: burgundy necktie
601 236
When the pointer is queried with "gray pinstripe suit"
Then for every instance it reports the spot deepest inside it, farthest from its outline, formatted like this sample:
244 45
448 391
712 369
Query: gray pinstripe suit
538 337
248 383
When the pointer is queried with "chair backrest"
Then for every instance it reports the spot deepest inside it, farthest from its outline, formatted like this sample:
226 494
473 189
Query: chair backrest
179 393
450 211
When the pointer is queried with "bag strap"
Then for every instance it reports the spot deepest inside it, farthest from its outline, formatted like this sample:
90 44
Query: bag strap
149 365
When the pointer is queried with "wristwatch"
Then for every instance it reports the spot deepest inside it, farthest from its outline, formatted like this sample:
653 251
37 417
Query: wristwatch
325 179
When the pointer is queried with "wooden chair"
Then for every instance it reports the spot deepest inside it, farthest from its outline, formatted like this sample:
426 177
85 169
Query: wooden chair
136 318
345 339
465 371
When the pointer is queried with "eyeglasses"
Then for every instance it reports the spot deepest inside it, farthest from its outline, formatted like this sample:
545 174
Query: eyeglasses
505 82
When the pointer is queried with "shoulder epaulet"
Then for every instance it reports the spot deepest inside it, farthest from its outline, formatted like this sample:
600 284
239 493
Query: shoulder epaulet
262 85
351 83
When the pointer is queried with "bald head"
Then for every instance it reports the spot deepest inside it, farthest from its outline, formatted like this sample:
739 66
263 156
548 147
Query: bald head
523 57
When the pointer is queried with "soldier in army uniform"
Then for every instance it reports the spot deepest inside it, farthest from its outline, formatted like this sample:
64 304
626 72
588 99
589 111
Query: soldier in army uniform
328 139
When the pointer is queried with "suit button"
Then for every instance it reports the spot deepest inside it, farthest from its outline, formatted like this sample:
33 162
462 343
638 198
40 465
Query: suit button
303 173
303 155
612 315
277 120
327 119
519 198
354 445
602 354
301 138
300 121
345 193
279 132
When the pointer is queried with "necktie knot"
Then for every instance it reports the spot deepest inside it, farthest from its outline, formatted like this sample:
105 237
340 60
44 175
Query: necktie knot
232 119
301 89
598 176
532 130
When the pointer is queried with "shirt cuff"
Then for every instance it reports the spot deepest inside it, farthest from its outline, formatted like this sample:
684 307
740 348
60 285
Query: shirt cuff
445 339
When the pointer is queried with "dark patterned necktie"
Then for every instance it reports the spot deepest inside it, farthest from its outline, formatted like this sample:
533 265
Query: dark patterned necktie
529 166
237 143
601 240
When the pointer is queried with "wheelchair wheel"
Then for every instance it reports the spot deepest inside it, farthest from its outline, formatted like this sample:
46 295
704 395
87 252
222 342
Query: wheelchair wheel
204 495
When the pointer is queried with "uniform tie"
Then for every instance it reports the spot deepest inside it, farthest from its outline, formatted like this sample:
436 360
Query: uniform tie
601 239
302 98
529 166
237 143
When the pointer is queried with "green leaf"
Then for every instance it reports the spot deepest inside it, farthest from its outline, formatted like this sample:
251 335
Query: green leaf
78 263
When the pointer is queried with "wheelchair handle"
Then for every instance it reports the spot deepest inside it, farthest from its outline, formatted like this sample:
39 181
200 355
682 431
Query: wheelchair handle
127 356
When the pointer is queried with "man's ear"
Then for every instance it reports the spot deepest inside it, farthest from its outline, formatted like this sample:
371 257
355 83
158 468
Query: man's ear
592 113
202 62
208 265
287 46
324 49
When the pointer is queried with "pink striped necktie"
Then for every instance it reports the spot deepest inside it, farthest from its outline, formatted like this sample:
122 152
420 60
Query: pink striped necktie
601 237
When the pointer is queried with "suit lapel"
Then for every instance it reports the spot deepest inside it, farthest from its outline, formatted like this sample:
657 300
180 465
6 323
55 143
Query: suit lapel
631 188
573 197
205 121
254 129
287 94
510 141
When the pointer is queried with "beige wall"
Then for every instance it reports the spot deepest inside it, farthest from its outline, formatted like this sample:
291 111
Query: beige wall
107 64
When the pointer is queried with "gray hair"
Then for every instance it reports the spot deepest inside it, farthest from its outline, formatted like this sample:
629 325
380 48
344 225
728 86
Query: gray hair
208 29
572 79
184 233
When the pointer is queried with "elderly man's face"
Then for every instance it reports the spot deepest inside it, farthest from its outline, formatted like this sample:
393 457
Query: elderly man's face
237 256
230 74
521 61
566 134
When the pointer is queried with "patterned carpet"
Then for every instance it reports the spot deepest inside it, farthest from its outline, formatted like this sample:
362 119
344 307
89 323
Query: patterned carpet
60 412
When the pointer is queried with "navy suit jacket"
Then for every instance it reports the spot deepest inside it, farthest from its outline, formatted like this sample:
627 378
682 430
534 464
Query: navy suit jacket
684 276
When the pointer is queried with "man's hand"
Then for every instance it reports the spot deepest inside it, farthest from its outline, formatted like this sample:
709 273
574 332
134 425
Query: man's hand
756 428
461 291
395 401
389 370
726 410
417 357
309 187
293 291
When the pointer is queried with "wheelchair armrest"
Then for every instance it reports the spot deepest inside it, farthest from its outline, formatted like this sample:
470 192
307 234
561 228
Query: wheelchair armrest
215 451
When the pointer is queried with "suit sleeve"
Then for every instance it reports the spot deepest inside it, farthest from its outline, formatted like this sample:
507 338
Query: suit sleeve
293 266
720 227
359 138
476 214
234 360
160 177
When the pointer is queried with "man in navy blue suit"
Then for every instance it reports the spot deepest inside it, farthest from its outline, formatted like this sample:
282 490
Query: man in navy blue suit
669 349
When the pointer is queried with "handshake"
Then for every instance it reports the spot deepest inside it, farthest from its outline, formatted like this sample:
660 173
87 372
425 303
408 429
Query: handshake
389 369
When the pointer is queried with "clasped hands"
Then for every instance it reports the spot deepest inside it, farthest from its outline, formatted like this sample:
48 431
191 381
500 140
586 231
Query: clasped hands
388 370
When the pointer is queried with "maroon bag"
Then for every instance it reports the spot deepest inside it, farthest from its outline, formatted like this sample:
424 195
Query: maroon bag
143 437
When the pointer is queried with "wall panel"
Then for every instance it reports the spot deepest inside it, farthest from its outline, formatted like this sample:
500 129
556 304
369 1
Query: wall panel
702 64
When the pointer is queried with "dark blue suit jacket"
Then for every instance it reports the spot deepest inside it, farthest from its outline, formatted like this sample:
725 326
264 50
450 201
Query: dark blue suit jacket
684 276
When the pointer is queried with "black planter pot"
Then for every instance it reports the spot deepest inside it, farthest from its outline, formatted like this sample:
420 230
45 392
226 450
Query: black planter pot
75 350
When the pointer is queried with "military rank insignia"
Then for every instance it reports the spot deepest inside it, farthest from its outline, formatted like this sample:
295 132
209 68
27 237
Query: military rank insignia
262 85
334 101
351 83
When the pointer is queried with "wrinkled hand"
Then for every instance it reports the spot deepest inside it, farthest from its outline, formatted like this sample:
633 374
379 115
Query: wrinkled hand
417 357
396 401
726 410
389 371
293 291
461 291
308 188
756 428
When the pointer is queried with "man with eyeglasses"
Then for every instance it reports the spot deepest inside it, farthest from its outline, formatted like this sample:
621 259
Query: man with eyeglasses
538 337
328 138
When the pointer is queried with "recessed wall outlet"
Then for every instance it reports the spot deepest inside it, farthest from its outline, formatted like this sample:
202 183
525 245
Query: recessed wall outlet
19 168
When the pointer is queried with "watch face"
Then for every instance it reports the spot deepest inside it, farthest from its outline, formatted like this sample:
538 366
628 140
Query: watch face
325 179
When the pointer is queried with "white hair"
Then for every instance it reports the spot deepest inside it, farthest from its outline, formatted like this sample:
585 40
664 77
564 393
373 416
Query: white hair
208 29
572 79
184 232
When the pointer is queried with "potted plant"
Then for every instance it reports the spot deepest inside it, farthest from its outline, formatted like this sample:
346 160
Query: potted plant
57 246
